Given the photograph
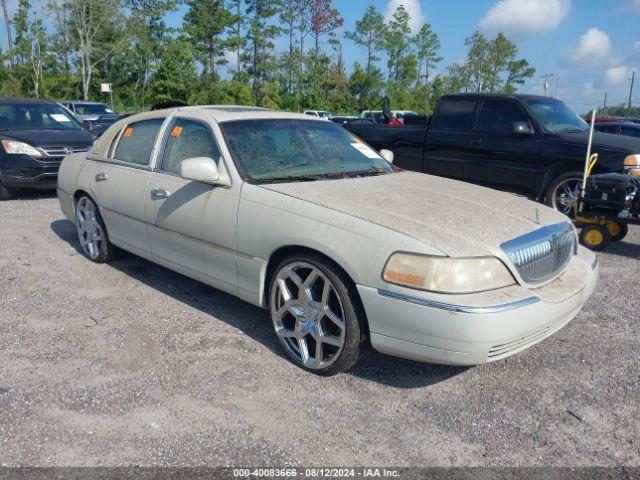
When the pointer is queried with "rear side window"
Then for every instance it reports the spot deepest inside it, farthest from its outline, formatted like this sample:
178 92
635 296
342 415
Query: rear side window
630 131
498 115
136 141
454 113
188 139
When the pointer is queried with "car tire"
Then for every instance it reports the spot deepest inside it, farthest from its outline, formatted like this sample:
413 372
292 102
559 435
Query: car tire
562 190
6 193
595 237
316 314
92 232
622 232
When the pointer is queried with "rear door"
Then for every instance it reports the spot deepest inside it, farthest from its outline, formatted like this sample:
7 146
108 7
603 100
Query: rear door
120 184
192 224
500 156
447 147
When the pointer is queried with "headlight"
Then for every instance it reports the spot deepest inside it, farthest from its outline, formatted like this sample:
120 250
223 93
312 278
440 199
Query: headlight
447 275
632 165
18 148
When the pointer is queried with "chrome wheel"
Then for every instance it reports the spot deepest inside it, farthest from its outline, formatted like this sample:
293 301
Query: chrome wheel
90 232
565 194
308 315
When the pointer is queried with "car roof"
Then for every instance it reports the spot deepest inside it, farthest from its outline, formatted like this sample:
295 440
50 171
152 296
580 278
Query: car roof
524 96
24 100
226 113
84 102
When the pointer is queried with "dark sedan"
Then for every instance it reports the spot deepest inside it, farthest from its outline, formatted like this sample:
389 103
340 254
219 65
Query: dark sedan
35 136
628 129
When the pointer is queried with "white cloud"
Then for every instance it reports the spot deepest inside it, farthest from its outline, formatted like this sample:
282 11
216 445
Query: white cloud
413 8
593 50
524 17
635 5
616 76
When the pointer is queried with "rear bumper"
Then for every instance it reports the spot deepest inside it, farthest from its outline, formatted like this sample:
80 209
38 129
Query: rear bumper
420 329
27 172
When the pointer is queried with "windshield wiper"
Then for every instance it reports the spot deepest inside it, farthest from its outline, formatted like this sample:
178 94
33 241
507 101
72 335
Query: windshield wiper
372 172
293 178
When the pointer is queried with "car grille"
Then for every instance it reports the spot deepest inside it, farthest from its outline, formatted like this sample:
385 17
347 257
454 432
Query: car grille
541 255
61 152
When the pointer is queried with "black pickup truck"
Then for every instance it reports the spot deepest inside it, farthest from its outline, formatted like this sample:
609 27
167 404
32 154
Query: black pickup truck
522 143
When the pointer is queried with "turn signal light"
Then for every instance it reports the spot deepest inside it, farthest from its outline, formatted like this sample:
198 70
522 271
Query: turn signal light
632 161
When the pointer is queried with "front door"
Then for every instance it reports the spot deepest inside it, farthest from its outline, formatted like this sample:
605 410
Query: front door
192 224
500 156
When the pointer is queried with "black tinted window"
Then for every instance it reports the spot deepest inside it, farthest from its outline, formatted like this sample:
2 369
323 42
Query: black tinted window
607 128
455 113
630 131
498 115
136 141
188 139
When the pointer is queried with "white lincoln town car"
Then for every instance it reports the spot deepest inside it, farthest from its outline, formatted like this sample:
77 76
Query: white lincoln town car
299 217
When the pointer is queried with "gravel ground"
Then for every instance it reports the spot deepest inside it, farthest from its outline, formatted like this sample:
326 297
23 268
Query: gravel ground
132 364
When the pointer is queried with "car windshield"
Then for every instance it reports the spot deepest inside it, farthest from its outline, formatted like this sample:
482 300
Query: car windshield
35 116
555 116
324 114
91 108
299 150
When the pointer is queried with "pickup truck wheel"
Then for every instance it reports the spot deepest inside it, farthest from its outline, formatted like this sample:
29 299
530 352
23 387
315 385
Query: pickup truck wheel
92 232
316 315
563 191
6 193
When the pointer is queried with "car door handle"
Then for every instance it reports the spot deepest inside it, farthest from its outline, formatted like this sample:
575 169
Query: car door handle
159 192
101 177
476 141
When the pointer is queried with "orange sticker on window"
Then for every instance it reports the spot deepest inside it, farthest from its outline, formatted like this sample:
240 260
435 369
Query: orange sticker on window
176 132
128 132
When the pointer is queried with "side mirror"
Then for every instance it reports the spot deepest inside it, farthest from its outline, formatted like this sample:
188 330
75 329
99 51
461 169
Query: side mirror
521 128
387 155
87 124
202 169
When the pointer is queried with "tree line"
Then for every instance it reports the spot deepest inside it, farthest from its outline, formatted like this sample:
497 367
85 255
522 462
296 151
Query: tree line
224 52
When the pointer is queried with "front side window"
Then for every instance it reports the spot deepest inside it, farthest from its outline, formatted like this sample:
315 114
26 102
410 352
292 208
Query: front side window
188 139
36 116
299 150
454 113
498 116
136 141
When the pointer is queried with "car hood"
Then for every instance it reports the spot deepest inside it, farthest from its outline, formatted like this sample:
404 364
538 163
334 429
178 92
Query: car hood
621 143
51 138
456 218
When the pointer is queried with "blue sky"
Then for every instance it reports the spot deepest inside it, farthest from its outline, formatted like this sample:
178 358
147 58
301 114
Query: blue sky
590 46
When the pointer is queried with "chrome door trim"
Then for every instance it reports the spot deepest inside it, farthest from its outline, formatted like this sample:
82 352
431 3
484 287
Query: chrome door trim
459 308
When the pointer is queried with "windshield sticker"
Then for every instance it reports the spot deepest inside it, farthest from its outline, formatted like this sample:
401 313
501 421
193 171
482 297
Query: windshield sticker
176 132
58 117
365 150
128 132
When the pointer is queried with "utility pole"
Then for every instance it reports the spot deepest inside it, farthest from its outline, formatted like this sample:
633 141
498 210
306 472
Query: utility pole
633 79
604 106
546 77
